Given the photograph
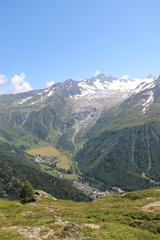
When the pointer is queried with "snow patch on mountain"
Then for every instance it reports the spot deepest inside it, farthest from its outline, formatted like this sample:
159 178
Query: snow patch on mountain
24 100
98 84
40 100
101 86
122 84
143 84
86 89
148 102
50 93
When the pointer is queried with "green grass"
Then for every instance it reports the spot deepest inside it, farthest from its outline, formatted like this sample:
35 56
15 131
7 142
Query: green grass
118 217
54 172
10 236
46 149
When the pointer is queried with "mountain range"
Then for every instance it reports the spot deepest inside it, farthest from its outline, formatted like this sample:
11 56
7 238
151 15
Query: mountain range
109 125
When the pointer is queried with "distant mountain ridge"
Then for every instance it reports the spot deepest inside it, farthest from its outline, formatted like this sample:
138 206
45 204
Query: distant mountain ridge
63 113
110 125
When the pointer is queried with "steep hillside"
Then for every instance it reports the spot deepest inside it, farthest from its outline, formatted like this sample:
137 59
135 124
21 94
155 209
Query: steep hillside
126 158
16 166
124 145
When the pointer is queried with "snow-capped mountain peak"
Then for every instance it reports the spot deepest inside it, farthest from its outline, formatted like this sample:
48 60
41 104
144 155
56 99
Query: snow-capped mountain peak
98 86
101 83
142 84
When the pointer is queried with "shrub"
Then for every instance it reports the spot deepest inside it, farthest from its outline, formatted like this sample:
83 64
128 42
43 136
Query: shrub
26 192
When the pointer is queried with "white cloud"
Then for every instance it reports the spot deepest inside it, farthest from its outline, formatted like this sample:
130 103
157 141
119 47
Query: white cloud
19 83
49 84
3 79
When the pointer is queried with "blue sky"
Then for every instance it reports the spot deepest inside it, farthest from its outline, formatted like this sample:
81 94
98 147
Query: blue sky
53 40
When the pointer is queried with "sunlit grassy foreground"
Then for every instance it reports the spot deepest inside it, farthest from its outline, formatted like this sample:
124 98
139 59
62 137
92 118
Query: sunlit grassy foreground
113 217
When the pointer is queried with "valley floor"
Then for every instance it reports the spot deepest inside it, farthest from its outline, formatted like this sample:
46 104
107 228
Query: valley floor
131 216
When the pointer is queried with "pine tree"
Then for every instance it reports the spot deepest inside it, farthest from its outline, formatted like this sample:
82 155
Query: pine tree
26 192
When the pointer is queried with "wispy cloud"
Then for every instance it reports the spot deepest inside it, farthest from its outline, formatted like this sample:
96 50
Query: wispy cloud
50 83
3 79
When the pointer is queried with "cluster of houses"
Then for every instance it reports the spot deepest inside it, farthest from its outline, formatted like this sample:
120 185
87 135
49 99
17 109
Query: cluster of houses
93 192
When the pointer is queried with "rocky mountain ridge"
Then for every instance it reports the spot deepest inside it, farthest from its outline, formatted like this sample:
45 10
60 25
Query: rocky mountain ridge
63 113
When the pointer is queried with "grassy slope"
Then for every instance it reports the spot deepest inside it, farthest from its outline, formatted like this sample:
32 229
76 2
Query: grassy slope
47 149
16 136
118 218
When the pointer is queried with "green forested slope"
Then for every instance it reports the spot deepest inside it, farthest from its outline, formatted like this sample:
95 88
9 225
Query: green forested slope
16 166
128 158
